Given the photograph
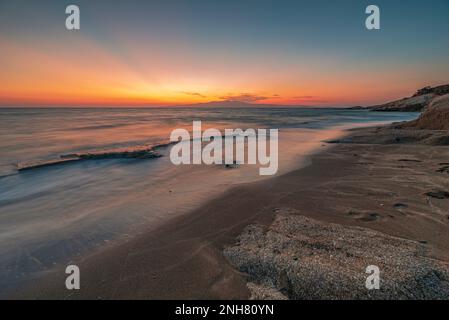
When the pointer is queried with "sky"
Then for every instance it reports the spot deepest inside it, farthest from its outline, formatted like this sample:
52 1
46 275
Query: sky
157 53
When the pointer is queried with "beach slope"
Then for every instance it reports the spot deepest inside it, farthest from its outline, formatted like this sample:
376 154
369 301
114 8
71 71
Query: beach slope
378 197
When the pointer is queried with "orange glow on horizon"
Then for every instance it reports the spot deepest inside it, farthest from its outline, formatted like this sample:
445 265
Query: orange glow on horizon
45 74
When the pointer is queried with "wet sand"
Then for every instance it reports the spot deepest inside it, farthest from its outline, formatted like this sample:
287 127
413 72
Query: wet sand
396 189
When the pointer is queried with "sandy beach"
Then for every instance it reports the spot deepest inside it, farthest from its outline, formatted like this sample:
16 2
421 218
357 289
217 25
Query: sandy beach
360 202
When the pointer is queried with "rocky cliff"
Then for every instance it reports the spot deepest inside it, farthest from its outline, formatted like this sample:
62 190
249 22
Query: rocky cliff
420 100
434 117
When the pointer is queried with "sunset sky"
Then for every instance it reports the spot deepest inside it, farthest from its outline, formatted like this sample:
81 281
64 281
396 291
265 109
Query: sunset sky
153 53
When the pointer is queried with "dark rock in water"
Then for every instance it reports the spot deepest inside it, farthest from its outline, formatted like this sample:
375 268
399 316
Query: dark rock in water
44 163
139 154
438 194
68 158
345 140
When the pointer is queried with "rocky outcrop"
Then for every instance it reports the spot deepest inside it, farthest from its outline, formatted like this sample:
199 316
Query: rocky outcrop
439 91
301 258
431 128
434 117
396 134
407 104
419 101
149 153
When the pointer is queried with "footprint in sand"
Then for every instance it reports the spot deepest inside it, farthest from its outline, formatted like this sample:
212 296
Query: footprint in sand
400 206
443 169
409 160
368 217
365 216
438 194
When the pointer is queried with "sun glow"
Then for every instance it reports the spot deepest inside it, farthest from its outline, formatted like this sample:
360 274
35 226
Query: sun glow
45 72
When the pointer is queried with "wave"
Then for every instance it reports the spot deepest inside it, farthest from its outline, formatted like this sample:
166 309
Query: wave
96 127
136 152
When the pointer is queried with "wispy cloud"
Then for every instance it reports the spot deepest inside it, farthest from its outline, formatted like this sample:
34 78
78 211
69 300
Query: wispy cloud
244 97
193 94
304 97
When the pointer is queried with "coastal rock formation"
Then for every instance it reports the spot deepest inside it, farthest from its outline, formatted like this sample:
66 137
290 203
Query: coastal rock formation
431 128
149 153
420 100
396 134
415 103
439 91
434 117
301 258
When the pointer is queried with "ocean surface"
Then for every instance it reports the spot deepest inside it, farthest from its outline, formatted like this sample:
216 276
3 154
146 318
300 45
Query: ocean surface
52 215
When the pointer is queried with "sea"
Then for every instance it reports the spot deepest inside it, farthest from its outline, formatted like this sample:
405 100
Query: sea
52 215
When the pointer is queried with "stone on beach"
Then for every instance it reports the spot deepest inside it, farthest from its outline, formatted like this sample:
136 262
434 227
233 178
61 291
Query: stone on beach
301 258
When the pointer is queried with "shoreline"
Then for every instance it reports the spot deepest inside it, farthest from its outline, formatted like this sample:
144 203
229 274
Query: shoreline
173 195
184 258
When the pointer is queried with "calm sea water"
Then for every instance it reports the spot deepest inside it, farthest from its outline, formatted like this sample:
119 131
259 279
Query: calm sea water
51 215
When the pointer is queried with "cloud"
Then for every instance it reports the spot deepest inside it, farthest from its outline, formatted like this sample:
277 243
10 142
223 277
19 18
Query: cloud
243 97
304 97
193 94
